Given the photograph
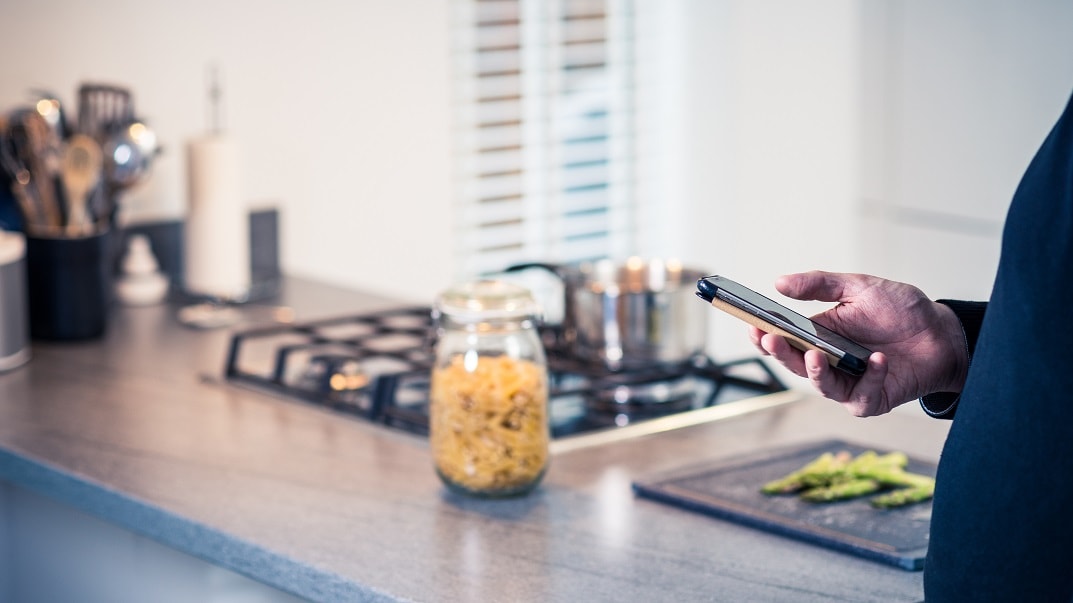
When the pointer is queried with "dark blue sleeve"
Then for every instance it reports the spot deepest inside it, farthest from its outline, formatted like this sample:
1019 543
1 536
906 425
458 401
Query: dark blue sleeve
943 405
1002 517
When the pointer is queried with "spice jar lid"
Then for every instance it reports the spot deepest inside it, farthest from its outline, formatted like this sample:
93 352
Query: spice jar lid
487 300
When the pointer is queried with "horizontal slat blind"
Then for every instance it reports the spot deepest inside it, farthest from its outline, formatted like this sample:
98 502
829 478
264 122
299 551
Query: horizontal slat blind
544 98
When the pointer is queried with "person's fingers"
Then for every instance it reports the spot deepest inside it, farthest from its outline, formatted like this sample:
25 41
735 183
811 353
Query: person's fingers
867 397
862 396
823 377
813 285
755 335
823 286
778 348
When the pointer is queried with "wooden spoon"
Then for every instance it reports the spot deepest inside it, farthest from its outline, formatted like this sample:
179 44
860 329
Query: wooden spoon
81 172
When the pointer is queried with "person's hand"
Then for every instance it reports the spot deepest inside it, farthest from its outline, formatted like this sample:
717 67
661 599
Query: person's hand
918 346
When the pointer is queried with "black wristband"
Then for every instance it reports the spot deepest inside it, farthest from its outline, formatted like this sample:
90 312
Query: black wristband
971 315
943 405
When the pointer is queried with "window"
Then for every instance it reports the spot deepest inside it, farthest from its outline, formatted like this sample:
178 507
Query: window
545 105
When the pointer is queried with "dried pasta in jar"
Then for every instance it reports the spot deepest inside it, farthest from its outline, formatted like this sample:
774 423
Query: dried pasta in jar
488 423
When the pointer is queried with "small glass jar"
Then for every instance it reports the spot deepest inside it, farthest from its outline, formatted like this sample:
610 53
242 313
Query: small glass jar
488 401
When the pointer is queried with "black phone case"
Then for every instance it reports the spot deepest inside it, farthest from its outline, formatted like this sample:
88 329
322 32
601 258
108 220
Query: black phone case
846 361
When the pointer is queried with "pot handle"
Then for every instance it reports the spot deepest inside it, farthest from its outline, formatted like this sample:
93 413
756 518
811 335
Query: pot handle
558 270
569 330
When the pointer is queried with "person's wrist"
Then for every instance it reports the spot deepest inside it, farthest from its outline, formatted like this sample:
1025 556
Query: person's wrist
953 334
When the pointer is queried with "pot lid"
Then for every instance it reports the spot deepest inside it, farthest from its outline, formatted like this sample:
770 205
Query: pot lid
636 275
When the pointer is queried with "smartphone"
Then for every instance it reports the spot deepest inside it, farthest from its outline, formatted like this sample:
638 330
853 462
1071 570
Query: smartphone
771 317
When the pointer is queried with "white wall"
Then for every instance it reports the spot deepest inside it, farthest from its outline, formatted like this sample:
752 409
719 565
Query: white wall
957 98
766 178
875 135
862 135
341 108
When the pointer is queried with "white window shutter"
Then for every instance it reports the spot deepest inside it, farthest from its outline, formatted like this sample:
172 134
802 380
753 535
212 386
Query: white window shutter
544 112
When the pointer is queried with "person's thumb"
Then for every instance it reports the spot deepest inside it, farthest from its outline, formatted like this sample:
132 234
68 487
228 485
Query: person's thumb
815 285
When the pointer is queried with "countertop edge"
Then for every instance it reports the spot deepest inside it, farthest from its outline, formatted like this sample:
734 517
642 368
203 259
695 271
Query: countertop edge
181 533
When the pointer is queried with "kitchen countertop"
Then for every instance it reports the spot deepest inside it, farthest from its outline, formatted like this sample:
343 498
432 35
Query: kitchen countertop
139 428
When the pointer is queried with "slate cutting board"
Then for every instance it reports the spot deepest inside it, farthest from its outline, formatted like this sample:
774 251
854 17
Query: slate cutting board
730 489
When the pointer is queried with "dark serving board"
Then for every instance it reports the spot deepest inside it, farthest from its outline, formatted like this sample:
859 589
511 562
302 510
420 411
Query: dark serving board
730 489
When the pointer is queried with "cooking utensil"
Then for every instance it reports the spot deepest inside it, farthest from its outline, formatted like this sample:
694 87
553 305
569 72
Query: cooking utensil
20 178
128 157
43 160
103 109
128 154
630 314
33 189
49 106
45 128
81 172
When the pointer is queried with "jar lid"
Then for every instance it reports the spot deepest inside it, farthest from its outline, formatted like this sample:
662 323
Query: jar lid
487 300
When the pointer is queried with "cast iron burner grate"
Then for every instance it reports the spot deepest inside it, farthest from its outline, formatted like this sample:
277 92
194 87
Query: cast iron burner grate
376 366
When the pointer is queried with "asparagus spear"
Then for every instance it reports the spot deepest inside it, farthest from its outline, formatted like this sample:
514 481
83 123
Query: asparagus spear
904 496
900 478
889 472
871 459
839 476
818 472
841 491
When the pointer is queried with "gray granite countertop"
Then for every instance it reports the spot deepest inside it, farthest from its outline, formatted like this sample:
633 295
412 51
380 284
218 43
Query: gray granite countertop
140 429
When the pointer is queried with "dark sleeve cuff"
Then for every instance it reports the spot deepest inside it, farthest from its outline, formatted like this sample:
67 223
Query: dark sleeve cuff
943 405
971 315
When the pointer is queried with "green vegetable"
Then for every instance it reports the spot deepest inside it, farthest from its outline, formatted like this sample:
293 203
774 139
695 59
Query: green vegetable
841 491
903 497
841 476
819 472
869 461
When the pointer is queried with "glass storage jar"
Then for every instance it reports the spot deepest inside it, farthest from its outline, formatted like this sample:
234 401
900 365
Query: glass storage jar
488 400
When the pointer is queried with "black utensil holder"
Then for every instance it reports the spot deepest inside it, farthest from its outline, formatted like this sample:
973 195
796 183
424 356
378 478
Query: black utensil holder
70 285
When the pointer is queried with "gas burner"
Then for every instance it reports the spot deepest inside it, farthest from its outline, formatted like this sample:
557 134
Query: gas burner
645 399
376 366
333 374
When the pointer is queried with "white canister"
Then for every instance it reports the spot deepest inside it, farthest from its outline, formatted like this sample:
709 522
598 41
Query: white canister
14 324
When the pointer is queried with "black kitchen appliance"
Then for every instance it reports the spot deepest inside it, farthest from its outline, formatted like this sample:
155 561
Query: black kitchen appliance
376 366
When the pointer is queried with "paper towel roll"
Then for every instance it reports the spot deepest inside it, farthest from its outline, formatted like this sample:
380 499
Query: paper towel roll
217 239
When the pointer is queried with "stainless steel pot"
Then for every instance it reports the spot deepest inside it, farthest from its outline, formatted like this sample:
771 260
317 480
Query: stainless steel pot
630 314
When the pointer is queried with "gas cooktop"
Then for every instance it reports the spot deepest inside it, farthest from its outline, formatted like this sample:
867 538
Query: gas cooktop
376 366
